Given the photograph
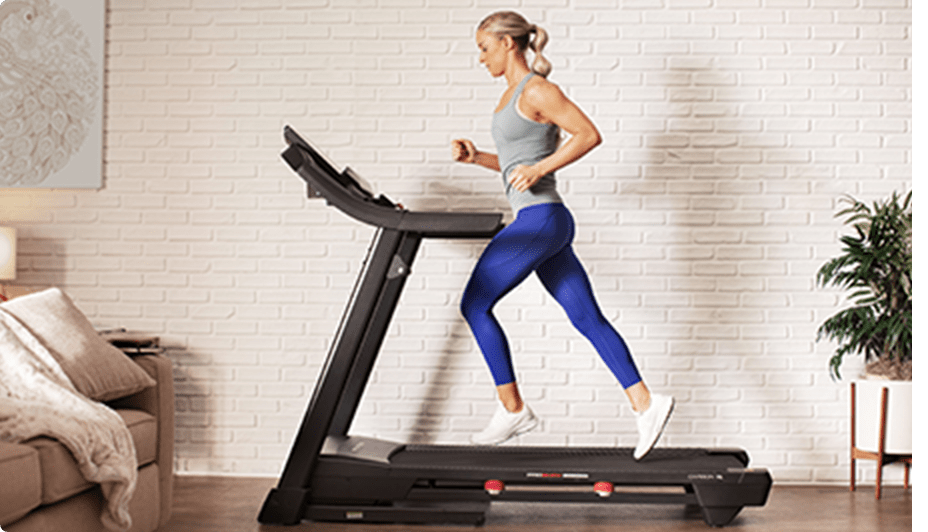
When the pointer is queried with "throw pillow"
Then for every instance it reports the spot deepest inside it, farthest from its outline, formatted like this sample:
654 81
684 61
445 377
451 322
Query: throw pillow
98 370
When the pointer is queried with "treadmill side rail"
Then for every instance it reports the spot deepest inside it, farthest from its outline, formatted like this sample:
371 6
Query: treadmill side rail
721 501
360 448
740 454
410 512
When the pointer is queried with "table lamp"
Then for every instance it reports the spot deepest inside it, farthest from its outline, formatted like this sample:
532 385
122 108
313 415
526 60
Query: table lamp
7 256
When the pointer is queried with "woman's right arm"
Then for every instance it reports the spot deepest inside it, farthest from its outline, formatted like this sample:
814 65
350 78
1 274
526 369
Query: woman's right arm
464 151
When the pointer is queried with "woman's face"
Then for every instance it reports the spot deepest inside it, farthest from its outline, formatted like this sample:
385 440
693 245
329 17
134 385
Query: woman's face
493 52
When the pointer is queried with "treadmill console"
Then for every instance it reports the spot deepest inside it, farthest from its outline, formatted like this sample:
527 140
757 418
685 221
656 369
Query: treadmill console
351 194
320 163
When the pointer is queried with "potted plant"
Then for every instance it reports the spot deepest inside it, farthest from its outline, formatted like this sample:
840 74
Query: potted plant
875 265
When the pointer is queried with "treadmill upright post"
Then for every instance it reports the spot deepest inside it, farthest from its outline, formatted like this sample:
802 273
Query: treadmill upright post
404 248
347 370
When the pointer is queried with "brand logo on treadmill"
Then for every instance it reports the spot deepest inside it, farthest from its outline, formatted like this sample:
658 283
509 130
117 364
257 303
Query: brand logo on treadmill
558 475
705 476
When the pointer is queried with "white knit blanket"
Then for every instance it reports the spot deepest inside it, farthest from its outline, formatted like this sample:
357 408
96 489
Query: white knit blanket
38 399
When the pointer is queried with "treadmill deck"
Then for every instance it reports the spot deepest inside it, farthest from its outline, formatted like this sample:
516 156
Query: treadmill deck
578 459
355 475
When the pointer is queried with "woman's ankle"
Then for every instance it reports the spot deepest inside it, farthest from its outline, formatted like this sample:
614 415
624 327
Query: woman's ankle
512 405
639 396
510 397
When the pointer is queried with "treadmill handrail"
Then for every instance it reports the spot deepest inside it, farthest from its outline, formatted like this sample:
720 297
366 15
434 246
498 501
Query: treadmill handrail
343 191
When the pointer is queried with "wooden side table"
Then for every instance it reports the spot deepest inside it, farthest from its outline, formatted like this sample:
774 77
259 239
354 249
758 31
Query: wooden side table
880 456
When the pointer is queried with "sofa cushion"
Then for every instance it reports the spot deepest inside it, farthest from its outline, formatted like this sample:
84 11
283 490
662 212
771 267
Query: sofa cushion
97 369
20 489
61 477
144 429
81 513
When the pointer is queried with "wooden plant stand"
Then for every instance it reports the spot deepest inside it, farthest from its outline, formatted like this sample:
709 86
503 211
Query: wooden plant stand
880 456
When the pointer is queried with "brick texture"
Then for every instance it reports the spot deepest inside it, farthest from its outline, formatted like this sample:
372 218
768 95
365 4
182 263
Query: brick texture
731 129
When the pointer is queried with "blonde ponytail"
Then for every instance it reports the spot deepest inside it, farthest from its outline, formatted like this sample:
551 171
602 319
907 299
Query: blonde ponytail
540 65
510 23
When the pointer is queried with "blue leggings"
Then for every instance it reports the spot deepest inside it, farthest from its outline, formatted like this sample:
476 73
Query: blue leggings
539 240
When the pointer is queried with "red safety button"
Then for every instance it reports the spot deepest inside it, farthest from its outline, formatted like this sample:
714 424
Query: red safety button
494 487
603 489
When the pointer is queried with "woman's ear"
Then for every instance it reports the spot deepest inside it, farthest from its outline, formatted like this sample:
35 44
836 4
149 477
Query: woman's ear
508 42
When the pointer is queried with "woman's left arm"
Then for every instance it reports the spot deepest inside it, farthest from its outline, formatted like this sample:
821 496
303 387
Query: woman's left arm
544 102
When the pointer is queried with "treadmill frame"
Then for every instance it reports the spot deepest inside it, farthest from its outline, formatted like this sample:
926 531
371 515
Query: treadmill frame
330 476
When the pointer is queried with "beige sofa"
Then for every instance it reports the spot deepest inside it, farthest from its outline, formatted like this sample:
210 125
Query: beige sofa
41 487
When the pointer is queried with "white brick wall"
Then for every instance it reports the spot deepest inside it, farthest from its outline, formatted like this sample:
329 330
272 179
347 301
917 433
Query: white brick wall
731 127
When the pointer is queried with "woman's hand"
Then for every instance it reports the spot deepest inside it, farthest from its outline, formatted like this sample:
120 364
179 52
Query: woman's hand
524 177
464 151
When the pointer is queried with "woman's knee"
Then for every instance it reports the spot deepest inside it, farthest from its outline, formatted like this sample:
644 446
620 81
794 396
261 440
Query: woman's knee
472 308
587 322
466 308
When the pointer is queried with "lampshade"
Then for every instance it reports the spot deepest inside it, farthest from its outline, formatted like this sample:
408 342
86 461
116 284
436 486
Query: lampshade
7 253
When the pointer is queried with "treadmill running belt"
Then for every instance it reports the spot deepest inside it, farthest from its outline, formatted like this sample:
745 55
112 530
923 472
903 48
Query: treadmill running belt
617 460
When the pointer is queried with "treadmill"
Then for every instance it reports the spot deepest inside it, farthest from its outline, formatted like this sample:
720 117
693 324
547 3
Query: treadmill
333 476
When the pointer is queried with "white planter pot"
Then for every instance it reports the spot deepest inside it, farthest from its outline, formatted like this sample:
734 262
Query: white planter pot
898 416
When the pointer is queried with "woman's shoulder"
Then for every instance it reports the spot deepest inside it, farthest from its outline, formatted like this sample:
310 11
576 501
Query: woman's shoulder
539 83
539 91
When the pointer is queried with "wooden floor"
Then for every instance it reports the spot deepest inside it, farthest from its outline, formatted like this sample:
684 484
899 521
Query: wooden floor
224 504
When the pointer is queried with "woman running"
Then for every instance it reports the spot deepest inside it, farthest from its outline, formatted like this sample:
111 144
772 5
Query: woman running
526 129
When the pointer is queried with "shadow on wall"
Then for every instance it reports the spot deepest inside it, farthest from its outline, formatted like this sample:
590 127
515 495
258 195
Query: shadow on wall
446 365
484 195
193 403
430 421
716 264
705 178
42 261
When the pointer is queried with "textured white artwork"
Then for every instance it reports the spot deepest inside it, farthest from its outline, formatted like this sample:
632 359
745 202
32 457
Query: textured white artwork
51 84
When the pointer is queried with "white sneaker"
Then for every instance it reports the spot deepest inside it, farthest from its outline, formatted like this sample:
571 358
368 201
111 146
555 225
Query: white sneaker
504 425
651 423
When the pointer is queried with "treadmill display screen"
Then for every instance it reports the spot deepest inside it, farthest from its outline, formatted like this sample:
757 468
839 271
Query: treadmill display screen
347 177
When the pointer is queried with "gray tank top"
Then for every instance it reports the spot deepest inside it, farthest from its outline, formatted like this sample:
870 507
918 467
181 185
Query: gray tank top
523 141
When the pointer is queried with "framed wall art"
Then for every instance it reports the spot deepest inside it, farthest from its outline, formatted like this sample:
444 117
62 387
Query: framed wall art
51 93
